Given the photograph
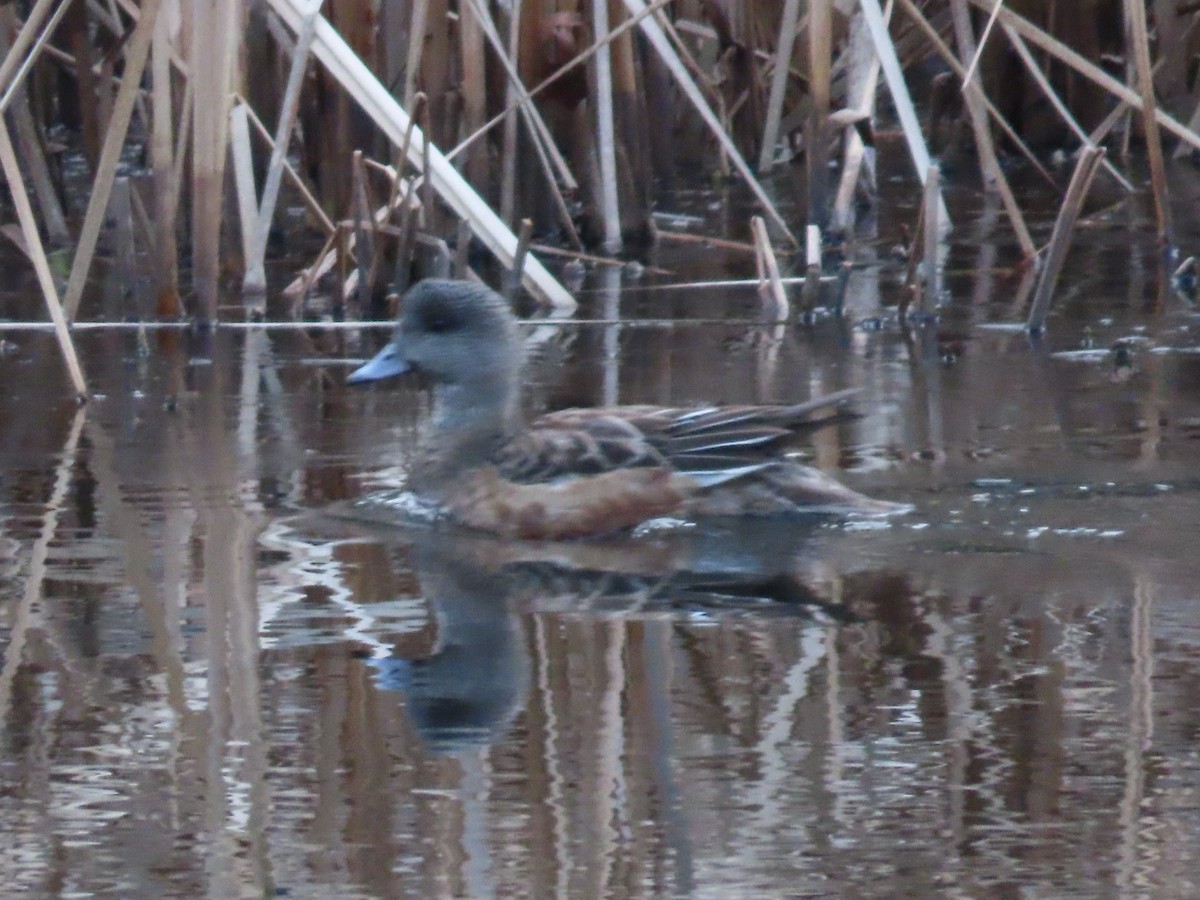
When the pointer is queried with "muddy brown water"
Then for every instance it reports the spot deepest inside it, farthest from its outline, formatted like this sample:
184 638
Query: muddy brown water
211 686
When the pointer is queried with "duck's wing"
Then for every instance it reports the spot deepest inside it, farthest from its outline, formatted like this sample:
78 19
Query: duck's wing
712 444
576 448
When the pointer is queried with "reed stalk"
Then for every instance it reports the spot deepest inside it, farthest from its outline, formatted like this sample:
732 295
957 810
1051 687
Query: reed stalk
255 276
770 282
606 140
375 100
789 25
121 211
554 165
1063 234
863 79
1084 67
1135 13
894 76
311 203
474 91
37 255
1047 89
508 178
215 33
932 235
162 158
517 273
136 53
658 40
247 196
416 47
28 140
952 61
812 267
462 250
32 31
820 62
366 247
993 175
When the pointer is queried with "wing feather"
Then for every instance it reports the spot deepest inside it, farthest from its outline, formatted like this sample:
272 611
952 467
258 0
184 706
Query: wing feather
712 444
594 445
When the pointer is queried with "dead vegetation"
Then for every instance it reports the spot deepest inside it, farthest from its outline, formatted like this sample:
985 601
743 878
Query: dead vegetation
408 132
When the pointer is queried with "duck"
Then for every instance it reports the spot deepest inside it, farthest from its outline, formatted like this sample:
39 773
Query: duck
581 473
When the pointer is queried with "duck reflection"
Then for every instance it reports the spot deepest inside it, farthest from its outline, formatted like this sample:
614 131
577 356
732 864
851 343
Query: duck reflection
467 691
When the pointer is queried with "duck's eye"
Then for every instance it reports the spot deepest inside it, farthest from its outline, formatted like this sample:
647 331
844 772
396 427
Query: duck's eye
440 323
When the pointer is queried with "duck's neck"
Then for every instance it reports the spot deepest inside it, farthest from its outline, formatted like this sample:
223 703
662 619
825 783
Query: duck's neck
469 422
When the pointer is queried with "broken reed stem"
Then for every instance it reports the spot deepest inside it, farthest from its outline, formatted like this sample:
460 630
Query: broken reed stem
931 237
770 282
760 265
299 289
682 237
247 198
812 267
365 245
607 261
1064 232
517 273
462 249
416 46
863 79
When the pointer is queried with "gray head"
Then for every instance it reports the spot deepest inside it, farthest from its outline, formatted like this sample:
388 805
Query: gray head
454 332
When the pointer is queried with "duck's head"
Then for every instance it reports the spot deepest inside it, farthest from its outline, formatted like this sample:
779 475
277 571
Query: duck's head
453 332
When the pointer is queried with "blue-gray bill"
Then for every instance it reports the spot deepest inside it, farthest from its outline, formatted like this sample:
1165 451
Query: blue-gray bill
386 363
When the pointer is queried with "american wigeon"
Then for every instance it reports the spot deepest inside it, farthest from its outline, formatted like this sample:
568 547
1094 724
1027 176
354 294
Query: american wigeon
583 472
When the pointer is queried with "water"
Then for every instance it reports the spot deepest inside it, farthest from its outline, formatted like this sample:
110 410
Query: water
214 683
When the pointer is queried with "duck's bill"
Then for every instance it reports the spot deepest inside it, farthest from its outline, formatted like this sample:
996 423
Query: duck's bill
386 363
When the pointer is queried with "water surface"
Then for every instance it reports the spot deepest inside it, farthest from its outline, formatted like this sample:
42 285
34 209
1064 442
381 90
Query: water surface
215 684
